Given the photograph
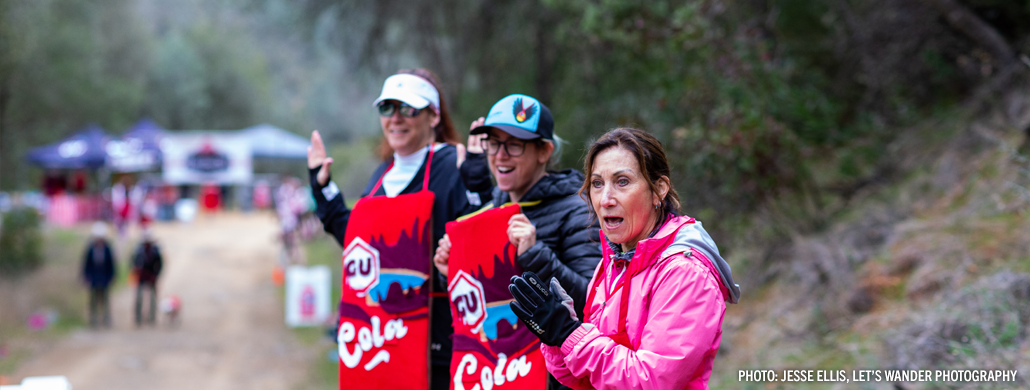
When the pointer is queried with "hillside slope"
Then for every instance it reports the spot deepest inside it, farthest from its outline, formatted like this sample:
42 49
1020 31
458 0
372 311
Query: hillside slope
929 270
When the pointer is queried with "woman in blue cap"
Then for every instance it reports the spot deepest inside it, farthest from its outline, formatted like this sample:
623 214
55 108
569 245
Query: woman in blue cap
553 235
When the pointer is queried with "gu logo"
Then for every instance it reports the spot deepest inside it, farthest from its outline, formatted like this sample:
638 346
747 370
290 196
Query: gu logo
468 300
360 266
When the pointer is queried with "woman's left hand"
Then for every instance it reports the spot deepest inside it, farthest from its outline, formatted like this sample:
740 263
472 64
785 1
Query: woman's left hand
521 233
546 309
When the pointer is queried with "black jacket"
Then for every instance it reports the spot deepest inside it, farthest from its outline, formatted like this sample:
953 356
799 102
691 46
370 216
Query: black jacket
567 245
451 202
98 272
147 262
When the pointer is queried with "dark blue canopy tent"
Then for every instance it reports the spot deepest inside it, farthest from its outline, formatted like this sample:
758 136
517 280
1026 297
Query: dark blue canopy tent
139 149
148 132
84 149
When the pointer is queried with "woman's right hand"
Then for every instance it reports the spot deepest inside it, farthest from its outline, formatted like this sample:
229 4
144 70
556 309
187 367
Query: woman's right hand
317 157
443 253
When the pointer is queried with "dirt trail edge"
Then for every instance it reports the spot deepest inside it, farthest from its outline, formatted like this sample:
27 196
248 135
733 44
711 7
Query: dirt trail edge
231 333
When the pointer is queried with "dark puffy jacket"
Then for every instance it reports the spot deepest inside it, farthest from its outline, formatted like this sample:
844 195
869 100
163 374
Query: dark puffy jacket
450 202
566 241
98 271
147 262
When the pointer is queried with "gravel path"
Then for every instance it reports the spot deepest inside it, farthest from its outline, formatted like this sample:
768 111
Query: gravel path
231 334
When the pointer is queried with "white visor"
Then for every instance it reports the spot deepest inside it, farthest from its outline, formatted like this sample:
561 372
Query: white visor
410 89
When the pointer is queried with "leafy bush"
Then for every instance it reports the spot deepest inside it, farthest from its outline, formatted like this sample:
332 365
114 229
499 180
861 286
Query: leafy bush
20 242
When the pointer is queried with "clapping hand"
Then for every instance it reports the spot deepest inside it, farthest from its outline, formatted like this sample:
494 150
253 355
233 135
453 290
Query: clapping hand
547 311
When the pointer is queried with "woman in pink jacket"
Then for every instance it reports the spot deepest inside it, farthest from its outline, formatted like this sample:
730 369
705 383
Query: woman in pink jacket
653 318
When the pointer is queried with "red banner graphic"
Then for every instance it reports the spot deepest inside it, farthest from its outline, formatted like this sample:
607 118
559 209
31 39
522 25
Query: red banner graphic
384 309
492 350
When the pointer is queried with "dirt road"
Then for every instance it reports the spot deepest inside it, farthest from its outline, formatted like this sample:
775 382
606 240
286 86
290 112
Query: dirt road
231 335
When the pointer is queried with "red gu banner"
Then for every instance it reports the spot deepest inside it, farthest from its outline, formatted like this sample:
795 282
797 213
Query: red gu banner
384 308
492 350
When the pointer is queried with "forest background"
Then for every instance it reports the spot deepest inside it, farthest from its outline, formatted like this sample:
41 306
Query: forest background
754 100
777 115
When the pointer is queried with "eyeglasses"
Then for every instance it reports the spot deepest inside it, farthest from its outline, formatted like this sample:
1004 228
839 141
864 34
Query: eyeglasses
512 147
386 109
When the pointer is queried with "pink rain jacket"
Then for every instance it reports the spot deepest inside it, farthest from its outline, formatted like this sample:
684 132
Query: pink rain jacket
673 324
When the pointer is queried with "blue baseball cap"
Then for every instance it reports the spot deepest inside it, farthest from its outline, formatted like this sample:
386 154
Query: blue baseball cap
521 116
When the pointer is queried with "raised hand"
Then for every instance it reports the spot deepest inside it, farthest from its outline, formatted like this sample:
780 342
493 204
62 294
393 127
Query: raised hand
475 142
317 157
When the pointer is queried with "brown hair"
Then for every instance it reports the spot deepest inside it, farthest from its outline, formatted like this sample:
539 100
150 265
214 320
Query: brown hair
444 131
650 156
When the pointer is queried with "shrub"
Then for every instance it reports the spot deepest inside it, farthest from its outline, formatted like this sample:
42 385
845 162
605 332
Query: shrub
20 242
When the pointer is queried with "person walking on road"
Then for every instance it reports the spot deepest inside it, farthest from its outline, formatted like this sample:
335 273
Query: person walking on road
97 273
146 265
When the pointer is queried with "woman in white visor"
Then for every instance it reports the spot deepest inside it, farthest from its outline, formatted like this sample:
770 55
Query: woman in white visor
394 305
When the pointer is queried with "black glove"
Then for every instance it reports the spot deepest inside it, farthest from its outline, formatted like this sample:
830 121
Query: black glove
547 312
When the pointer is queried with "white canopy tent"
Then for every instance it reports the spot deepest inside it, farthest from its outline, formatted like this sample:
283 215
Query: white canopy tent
270 141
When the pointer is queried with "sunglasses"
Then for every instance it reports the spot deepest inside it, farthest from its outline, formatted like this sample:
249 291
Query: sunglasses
386 109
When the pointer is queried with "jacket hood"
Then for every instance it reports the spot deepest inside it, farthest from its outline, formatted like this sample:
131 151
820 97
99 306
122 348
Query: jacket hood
694 236
677 235
553 185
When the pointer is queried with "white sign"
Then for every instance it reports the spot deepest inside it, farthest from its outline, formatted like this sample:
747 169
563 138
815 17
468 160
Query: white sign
72 149
307 295
129 156
206 157
57 382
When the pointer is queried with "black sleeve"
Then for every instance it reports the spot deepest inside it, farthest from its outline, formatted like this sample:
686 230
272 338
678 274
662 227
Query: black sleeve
158 261
334 213
475 177
109 261
137 259
475 173
85 261
574 263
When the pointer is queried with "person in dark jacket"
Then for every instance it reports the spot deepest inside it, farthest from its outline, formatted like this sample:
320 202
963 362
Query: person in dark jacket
409 130
554 235
98 272
147 264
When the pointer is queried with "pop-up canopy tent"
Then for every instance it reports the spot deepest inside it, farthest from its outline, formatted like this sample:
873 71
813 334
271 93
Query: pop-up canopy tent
139 149
84 149
229 157
272 142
